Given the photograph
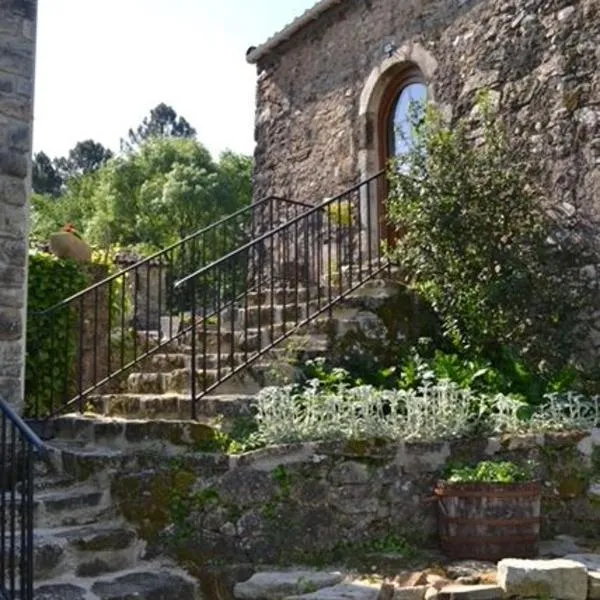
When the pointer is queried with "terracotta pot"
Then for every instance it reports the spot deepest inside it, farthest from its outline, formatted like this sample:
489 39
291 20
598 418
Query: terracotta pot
66 245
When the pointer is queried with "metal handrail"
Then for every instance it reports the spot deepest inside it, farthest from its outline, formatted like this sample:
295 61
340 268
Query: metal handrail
329 258
19 447
121 305
269 234
168 249
26 432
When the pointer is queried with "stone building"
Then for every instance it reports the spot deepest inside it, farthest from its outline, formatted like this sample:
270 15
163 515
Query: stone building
334 85
17 60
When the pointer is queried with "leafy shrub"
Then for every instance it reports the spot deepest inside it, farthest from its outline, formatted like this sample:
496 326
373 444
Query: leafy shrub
490 472
51 343
430 413
479 245
439 412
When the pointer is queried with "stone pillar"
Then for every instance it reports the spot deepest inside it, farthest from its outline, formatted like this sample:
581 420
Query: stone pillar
17 63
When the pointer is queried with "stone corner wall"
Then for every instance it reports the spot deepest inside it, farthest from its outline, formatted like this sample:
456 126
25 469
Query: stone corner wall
340 494
17 66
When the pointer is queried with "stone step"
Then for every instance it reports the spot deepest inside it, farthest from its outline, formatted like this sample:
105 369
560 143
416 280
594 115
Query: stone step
249 381
285 295
281 584
166 363
172 406
84 551
65 507
82 464
100 463
264 315
77 505
148 581
116 433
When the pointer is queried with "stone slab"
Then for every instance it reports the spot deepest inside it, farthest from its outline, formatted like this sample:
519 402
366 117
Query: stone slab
559 578
160 585
277 585
588 560
594 585
416 592
60 592
471 592
356 590
559 546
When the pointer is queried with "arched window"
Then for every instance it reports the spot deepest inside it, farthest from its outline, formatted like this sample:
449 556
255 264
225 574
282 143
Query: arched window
406 91
400 121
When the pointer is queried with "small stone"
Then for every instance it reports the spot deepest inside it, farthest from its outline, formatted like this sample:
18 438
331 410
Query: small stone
277 585
568 209
585 446
560 578
410 593
437 581
565 13
415 579
560 545
386 592
471 592
592 563
588 560
594 585
469 568
468 580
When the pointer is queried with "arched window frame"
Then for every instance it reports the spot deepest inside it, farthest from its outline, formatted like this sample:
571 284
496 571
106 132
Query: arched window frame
407 76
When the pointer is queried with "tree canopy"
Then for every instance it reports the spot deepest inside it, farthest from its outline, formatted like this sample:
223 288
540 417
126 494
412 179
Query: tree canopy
163 187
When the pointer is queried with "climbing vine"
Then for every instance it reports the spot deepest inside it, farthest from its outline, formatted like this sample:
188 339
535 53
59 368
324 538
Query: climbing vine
51 342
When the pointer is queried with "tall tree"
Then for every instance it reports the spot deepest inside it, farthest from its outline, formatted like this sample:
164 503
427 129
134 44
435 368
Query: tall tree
46 177
163 122
86 157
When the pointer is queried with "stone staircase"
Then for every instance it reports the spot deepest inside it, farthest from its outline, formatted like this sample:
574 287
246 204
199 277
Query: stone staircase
84 549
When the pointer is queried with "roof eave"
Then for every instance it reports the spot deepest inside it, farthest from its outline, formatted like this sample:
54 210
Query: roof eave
287 32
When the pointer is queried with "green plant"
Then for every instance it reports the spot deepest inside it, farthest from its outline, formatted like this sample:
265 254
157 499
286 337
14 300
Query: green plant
490 472
290 414
480 247
340 213
51 339
329 378
391 544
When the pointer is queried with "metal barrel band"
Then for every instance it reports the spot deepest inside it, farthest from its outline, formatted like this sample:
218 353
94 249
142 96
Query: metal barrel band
492 522
488 539
462 493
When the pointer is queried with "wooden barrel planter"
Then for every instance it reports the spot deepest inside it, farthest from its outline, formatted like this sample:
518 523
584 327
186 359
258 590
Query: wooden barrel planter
489 521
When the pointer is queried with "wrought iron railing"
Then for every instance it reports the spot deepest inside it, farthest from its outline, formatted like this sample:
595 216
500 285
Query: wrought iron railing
300 270
127 317
19 447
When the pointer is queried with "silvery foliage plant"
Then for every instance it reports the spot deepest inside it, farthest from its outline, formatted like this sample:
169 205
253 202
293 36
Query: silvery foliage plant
432 412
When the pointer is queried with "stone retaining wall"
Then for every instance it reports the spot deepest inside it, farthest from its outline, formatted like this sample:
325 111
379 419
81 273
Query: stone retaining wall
310 501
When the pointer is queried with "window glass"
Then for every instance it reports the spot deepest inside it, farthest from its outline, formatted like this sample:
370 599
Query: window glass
400 127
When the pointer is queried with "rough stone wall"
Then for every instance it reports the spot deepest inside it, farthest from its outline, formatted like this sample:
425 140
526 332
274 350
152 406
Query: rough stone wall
309 501
17 59
539 56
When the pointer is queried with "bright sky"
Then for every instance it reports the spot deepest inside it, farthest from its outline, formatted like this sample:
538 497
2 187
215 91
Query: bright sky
103 64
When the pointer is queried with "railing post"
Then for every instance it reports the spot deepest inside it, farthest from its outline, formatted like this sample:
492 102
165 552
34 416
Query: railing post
18 448
193 374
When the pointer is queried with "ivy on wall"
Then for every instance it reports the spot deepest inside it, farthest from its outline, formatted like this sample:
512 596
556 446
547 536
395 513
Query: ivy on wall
51 341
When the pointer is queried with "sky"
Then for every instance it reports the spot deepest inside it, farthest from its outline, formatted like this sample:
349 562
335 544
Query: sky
103 64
